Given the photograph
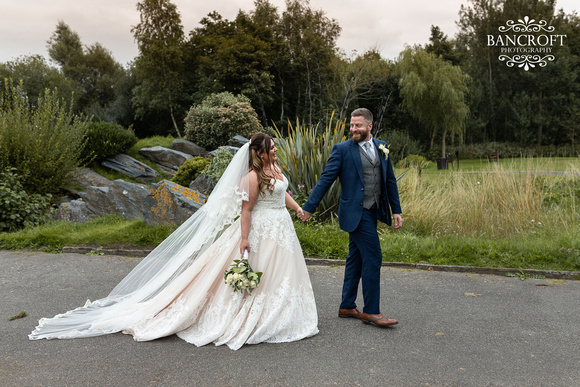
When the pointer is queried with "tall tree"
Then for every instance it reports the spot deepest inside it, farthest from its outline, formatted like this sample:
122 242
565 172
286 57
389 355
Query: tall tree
433 91
92 68
310 40
440 45
159 66
529 106
36 76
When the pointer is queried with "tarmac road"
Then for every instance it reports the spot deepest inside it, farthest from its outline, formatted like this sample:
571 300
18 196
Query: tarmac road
455 329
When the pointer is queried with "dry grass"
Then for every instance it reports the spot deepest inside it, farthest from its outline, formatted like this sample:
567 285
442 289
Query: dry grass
495 202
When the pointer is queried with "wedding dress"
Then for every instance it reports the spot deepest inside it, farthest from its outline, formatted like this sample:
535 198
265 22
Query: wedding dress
192 299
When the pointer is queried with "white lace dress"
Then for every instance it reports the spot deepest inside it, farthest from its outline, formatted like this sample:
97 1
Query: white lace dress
200 308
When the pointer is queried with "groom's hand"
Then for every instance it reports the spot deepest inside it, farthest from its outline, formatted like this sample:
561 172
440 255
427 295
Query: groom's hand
305 216
397 221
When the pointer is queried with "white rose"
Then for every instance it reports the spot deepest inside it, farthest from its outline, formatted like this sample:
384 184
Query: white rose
384 149
253 284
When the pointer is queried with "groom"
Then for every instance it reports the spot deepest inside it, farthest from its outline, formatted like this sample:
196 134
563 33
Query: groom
369 192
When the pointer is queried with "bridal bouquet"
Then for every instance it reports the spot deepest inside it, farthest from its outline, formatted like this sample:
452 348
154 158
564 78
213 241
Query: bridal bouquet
241 277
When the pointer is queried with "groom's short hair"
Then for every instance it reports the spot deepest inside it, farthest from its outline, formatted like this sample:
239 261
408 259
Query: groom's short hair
364 113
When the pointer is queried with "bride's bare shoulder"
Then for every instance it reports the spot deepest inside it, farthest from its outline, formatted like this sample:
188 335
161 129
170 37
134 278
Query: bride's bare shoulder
253 177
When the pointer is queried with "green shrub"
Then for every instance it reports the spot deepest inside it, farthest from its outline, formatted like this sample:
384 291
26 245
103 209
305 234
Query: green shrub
414 161
303 156
18 209
218 164
220 117
400 145
105 139
43 142
190 170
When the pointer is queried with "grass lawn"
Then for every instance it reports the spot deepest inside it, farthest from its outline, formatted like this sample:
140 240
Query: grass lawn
520 164
538 250
509 220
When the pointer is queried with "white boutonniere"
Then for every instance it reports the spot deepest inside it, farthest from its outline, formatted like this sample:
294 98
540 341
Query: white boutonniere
385 150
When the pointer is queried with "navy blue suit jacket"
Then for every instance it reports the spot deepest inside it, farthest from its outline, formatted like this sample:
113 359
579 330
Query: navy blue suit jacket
345 163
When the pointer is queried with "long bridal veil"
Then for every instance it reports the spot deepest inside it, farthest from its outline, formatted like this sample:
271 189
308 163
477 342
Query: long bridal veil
165 263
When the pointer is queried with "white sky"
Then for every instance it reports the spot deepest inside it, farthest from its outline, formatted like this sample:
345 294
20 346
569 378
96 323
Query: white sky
26 25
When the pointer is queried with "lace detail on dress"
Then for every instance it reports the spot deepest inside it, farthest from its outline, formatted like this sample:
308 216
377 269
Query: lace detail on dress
271 220
284 315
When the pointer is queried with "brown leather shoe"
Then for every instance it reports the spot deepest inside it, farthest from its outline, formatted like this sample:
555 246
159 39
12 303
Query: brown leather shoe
377 319
354 313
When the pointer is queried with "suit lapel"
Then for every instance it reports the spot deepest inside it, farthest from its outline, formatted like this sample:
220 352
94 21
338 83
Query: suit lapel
355 154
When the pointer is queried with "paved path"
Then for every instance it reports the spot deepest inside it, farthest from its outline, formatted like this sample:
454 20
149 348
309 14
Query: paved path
456 329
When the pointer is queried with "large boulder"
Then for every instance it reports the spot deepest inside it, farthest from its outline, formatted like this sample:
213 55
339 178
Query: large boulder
129 166
121 197
74 211
171 203
232 149
203 184
85 177
165 157
188 147
238 141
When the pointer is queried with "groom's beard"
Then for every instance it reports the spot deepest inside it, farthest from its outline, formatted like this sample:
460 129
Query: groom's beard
361 136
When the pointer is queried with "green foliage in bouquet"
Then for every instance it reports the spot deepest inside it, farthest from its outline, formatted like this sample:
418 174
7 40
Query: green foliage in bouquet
105 139
220 117
19 209
190 170
241 277
218 164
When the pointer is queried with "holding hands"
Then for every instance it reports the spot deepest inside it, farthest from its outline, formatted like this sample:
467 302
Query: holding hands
304 215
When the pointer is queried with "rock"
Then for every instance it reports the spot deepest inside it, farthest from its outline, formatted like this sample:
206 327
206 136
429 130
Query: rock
237 141
203 184
188 147
85 177
169 158
74 211
171 203
121 197
166 170
131 167
231 149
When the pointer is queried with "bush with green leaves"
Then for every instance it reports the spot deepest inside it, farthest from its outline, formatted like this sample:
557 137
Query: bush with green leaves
190 170
303 156
105 139
19 209
218 164
414 161
220 117
43 142
400 145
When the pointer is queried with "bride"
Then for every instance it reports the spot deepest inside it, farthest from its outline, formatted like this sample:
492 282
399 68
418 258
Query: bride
179 287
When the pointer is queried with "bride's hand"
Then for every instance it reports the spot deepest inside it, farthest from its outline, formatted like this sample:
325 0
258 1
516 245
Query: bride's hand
244 245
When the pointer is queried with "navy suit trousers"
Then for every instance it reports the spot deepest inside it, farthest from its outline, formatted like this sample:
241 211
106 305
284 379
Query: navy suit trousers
363 262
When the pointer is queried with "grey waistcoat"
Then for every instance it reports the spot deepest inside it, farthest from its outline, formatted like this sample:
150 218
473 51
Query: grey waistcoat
372 178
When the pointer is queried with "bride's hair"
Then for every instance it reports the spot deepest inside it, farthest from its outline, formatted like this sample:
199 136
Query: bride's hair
261 144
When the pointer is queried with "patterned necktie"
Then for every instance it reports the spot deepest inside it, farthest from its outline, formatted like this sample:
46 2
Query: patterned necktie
367 146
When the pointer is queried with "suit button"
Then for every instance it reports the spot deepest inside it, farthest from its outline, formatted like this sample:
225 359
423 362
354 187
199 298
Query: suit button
362 189
361 204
